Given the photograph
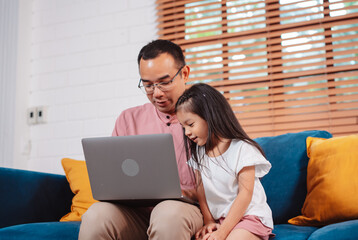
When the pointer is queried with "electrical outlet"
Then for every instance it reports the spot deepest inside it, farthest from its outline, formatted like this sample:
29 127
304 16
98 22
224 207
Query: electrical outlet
32 116
41 112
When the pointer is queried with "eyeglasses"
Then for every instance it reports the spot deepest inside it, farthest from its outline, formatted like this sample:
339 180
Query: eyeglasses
163 86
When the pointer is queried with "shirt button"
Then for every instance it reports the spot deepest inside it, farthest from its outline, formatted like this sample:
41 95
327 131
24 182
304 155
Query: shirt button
168 124
168 117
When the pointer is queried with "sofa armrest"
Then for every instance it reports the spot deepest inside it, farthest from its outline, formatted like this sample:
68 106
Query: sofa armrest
27 196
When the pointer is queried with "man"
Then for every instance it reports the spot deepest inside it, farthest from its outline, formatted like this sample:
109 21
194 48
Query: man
163 74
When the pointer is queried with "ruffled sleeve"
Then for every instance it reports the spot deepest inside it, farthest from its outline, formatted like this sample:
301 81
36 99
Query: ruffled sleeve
249 155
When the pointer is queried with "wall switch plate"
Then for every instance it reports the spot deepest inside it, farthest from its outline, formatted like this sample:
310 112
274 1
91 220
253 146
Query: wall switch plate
32 116
36 115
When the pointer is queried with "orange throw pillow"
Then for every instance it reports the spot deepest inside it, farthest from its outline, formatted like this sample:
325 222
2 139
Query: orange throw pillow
77 177
332 181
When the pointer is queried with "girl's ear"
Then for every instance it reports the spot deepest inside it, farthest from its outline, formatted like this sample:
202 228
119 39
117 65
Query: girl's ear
185 73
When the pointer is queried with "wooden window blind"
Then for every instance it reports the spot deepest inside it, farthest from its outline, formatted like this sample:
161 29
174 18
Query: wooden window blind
284 65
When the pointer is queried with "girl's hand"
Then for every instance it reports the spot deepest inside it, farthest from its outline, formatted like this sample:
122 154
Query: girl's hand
206 229
216 235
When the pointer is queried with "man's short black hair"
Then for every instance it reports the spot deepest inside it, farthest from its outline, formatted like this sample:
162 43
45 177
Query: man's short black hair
157 47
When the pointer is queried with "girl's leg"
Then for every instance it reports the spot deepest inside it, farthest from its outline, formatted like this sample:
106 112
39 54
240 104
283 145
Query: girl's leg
240 233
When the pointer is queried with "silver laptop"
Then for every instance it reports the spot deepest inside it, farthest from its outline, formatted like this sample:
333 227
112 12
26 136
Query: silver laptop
138 170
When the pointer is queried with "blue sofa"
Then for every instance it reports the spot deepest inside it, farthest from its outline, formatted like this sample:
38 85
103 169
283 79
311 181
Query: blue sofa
31 203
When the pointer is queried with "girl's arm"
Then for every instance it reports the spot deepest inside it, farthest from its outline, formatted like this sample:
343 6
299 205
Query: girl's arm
246 181
208 218
209 222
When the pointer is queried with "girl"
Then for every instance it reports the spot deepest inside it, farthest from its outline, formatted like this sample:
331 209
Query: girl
228 165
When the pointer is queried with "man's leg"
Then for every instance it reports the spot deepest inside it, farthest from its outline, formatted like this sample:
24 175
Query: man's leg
174 220
111 221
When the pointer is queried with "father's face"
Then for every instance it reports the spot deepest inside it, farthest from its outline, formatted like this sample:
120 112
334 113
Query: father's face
162 69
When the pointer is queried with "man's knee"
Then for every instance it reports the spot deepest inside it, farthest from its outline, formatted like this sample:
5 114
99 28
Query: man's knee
168 210
102 220
110 221
98 212
90 229
174 219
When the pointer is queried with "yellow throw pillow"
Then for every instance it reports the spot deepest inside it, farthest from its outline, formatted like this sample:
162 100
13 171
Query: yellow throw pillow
77 177
332 181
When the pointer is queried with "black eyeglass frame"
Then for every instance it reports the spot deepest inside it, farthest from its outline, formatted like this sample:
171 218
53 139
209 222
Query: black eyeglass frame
160 84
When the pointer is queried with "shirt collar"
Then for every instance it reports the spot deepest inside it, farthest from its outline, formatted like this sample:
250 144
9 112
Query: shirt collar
166 118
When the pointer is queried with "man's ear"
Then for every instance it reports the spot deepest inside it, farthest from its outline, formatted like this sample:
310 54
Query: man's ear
185 73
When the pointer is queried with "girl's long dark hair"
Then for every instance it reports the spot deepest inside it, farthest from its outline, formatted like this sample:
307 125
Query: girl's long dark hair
211 105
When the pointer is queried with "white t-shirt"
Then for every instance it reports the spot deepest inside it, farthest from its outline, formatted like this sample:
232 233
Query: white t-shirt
219 176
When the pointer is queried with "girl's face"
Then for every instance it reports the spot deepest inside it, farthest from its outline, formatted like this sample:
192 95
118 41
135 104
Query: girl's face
196 128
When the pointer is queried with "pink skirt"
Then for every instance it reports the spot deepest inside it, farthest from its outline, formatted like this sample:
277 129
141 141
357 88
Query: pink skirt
253 224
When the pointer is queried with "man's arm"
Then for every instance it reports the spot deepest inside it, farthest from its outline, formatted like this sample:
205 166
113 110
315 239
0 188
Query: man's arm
190 193
120 126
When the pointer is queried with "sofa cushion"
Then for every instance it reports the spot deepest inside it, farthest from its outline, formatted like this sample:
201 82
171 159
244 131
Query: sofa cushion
43 231
285 184
345 230
48 195
292 232
77 177
332 181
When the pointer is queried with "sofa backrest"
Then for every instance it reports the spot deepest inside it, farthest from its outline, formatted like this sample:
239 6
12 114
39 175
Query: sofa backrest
28 196
285 184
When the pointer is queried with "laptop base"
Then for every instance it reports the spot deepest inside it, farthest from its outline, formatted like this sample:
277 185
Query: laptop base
149 202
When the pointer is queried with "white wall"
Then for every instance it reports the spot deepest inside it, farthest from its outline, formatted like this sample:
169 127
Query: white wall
22 141
82 66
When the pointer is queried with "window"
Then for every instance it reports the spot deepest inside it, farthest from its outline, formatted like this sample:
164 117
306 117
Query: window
284 65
